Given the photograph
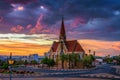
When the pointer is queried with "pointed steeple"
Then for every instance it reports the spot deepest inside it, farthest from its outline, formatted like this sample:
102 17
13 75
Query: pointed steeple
62 36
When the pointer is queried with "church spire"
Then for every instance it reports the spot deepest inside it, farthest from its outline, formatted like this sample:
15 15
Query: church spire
62 36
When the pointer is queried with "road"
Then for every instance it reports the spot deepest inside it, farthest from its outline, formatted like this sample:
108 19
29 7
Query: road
100 72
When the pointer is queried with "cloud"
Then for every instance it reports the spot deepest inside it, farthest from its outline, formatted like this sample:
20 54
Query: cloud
41 39
17 7
39 26
99 47
77 22
1 18
17 29
21 49
101 17
20 1
29 26
22 44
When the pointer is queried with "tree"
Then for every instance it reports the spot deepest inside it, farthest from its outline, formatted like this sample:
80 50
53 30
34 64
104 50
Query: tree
108 59
92 59
87 61
5 65
77 58
44 60
18 62
1 63
117 58
34 62
71 60
89 51
48 62
25 62
63 58
57 61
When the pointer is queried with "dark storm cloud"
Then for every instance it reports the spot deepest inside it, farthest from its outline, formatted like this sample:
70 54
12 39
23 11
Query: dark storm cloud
99 28
4 8
19 1
75 8
101 16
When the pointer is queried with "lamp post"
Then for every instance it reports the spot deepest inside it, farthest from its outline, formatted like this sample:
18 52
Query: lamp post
10 61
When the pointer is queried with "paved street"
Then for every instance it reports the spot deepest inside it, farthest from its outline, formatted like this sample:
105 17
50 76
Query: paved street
100 72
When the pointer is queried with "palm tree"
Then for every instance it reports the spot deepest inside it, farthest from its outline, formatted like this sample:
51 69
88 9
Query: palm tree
25 63
89 51
93 59
77 58
34 62
57 61
48 62
44 61
71 60
63 58
87 61
118 60
94 53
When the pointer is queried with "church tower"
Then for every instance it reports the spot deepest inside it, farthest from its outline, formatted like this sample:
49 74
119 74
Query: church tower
62 36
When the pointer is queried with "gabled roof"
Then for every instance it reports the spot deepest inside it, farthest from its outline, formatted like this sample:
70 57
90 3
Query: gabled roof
54 46
72 46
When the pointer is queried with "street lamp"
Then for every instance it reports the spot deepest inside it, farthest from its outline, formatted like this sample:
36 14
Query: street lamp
10 61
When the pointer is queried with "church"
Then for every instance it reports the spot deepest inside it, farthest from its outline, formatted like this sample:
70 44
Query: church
65 46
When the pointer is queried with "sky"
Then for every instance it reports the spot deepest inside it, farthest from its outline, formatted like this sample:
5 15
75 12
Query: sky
31 26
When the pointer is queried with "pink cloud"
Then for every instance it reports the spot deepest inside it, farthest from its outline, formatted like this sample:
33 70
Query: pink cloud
39 26
77 21
28 26
17 28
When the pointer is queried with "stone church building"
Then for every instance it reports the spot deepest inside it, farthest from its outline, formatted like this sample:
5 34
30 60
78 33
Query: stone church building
65 46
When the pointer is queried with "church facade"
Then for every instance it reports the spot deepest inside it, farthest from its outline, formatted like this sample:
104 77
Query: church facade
65 46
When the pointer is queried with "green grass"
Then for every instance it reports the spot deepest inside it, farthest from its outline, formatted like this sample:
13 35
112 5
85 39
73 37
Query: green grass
6 72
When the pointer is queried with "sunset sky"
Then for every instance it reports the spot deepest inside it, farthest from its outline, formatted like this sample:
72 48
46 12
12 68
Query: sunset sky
31 26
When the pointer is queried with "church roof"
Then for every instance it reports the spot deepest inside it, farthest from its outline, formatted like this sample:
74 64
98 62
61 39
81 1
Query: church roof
54 46
72 46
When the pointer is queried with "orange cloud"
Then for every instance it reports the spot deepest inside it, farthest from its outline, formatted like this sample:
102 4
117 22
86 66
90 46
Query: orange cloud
102 48
23 49
40 44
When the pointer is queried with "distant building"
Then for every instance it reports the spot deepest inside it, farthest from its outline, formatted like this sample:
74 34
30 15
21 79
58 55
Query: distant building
65 46
33 57
3 58
25 58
